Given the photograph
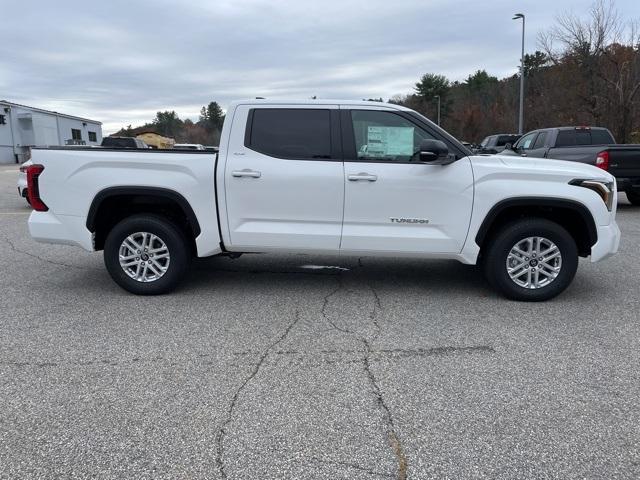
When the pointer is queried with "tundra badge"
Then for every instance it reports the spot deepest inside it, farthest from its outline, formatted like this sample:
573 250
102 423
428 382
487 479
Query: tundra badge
408 220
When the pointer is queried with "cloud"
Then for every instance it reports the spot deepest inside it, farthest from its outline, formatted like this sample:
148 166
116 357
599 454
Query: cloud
120 62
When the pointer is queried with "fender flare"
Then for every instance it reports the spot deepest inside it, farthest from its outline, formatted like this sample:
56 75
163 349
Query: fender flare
564 203
165 193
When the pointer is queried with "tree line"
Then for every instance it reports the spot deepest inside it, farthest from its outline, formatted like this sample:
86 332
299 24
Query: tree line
586 72
205 131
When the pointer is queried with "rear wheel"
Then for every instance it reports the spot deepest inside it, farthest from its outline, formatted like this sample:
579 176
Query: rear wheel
633 196
146 255
531 260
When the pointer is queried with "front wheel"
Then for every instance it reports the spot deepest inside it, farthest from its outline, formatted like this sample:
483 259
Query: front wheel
634 197
146 255
531 260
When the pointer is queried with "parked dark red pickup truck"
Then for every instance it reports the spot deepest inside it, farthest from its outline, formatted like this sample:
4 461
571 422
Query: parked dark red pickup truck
592 145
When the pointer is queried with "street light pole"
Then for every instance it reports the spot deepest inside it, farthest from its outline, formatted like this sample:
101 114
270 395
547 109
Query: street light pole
438 97
518 16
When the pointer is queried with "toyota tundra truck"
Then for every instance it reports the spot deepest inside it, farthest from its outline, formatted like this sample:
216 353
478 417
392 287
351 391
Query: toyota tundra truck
326 177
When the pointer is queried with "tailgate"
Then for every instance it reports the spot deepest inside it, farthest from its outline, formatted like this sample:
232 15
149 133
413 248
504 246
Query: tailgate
624 161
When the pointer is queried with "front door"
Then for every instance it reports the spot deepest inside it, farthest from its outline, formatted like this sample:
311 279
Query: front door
284 179
393 203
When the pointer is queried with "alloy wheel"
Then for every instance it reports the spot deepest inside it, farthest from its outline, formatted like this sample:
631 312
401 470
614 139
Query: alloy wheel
534 262
144 257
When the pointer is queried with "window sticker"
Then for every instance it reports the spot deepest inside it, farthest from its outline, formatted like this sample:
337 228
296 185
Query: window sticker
389 141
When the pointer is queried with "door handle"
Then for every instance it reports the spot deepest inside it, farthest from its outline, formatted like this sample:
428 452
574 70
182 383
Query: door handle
362 176
246 173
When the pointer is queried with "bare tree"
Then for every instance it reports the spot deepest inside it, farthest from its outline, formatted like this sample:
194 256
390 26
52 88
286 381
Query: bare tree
604 50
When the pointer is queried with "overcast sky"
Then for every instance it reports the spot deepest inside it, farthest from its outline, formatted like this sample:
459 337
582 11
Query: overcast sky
121 61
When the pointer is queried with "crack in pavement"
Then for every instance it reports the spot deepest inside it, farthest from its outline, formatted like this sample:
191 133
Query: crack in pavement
52 262
401 352
325 303
222 432
393 438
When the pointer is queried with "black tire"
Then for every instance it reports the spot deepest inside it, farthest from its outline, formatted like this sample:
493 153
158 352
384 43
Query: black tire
634 197
500 244
175 241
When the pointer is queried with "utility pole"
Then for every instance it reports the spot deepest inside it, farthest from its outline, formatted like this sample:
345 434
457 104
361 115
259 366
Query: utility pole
518 16
438 97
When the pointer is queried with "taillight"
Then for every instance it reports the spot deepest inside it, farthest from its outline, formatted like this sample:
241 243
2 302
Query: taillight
602 160
33 190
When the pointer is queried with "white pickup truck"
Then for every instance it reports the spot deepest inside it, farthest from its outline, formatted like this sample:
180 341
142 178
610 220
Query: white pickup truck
326 177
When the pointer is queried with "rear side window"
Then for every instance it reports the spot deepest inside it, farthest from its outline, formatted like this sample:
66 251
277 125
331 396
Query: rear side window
566 138
290 133
601 137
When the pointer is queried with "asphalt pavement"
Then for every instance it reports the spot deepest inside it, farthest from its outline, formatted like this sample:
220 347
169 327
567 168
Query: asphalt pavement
313 367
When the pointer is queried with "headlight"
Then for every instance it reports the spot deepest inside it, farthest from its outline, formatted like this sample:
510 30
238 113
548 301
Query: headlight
602 188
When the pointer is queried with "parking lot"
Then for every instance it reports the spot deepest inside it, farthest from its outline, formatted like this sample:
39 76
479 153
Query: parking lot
313 367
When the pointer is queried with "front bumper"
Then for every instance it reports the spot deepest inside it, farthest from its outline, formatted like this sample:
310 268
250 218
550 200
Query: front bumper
46 227
608 242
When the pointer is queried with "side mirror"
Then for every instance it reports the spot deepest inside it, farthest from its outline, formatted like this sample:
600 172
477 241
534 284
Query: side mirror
508 146
434 151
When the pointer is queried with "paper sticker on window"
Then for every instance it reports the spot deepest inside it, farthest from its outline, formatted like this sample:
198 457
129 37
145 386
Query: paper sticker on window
389 141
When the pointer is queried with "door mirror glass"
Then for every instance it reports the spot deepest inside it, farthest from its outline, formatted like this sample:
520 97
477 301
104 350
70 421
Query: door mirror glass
433 151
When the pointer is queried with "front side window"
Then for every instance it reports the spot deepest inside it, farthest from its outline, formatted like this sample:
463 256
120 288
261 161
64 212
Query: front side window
540 141
386 136
290 133
76 134
526 142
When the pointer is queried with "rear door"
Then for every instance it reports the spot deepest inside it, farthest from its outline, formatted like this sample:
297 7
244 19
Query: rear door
393 203
575 145
284 179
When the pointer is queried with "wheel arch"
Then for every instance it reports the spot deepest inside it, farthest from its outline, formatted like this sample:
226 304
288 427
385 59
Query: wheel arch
570 214
112 204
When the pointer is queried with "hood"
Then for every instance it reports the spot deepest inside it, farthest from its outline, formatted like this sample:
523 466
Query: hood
541 167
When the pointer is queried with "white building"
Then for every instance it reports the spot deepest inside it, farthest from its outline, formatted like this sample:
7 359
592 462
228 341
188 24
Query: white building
23 127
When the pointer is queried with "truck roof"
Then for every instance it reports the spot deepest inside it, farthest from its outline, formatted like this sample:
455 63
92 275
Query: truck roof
319 101
574 127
